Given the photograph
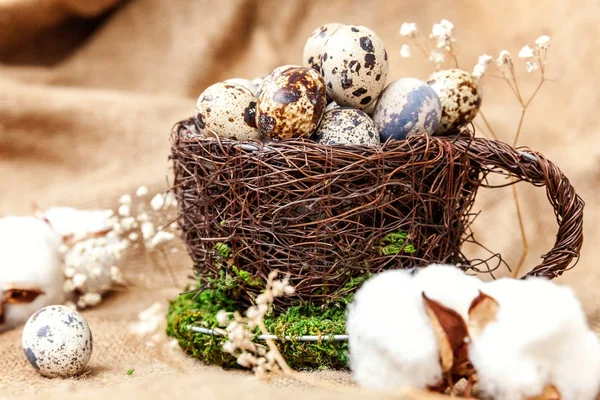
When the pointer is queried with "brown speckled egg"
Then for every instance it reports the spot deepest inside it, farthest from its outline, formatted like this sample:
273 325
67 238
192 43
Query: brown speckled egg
228 110
291 104
267 79
354 65
344 125
314 45
459 95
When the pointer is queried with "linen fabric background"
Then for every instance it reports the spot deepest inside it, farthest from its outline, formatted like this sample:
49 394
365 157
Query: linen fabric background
89 90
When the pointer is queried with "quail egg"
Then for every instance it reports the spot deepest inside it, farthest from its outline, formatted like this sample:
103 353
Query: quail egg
267 79
344 125
331 106
291 103
459 95
369 110
354 65
57 341
252 85
406 107
228 110
314 45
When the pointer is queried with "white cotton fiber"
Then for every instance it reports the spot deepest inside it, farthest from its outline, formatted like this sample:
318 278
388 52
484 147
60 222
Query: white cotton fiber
78 223
449 286
391 338
30 259
540 337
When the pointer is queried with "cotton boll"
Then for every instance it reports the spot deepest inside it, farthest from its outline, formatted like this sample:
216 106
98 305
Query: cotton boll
30 259
391 339
449 286
539 337
78 223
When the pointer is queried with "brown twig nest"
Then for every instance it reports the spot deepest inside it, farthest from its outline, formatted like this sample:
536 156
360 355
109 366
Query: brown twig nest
328 215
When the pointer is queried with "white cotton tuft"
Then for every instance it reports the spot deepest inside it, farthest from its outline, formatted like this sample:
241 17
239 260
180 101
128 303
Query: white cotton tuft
30 259
78 223
449 286
391 338
540 337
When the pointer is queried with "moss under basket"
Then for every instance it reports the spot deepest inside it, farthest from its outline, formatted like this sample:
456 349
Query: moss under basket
200 309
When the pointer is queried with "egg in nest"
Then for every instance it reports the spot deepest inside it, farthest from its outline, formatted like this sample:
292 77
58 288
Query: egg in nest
406 107
354 64
314 45
344 125
460 96
228 110
291 103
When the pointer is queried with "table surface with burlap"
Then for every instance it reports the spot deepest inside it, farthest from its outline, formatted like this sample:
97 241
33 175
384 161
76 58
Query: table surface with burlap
89 90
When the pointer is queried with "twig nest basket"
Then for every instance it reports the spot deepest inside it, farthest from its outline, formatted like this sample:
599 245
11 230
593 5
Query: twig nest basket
329 215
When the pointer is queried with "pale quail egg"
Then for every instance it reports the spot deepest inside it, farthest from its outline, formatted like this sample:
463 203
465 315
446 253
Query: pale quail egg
314 45
291 104
228 110
354 65
331 106
406 107
459 95
344 125
57 341
252 85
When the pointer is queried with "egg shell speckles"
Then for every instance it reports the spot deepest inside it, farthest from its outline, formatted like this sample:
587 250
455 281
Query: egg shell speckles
406 107
57 341
354 64
252 85
291 104
314 45
345 125
228 110
267 79
459 95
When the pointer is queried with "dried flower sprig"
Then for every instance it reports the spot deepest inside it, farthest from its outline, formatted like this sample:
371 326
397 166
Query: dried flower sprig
436 52
239 331
535 56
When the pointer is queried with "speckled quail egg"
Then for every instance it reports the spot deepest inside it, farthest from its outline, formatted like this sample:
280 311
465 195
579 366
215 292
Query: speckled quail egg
459 95
57 341
291 104
314 45
344 125
354 65
370 109
267 79
228 110
406 107
331 106
252 85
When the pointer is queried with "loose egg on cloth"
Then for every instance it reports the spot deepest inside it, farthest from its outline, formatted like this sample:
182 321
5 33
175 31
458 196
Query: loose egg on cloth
460 96
314 45
57 341
354 64
406 107
344 125
228 110
291 103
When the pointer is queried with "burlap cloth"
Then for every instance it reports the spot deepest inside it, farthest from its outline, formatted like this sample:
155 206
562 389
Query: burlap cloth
89 90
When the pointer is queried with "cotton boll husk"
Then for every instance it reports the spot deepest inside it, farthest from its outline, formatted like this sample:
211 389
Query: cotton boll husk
391 339
449 286
79 223
540 337
30 258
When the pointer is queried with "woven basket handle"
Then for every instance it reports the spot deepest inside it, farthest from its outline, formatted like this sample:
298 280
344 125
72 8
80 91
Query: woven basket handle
533 167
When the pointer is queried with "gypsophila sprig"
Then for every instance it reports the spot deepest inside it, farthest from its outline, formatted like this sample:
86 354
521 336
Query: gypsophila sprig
240 331
408 30
526 53
436 51
543 42
481 65
405 51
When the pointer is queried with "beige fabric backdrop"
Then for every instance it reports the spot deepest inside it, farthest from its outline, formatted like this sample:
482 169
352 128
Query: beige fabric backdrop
89 90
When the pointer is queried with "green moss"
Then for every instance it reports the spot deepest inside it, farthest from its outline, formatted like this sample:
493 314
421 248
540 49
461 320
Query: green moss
396 242
200 309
